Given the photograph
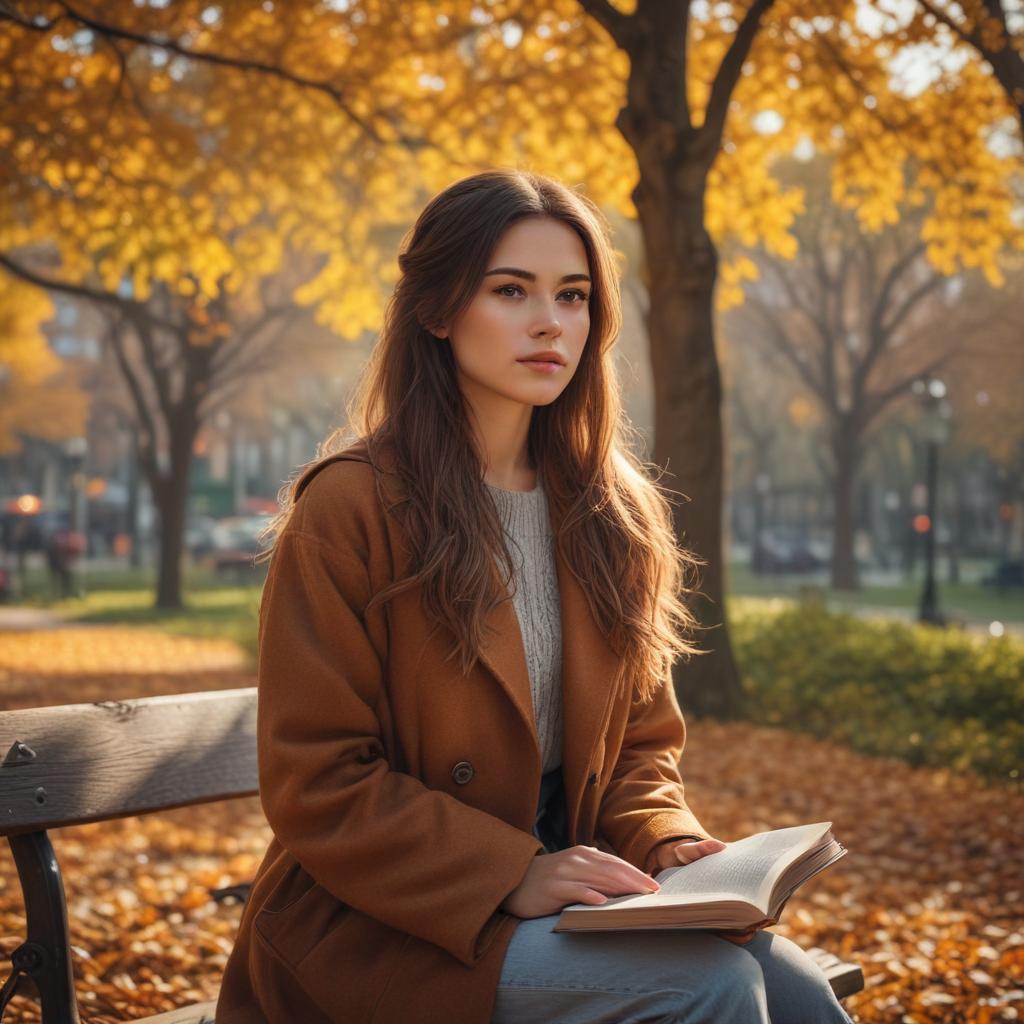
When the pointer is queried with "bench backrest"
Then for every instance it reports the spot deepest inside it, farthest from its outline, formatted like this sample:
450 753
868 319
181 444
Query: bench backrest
78 763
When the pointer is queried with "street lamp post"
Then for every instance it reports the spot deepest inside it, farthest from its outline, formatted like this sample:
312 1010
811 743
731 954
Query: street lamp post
75 449
762 487
936 419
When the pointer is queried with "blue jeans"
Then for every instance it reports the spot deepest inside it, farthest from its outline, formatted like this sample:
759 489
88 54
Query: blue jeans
685 977
667 975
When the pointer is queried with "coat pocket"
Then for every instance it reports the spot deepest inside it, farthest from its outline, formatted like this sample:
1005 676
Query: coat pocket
296 914
294 883
340 957
348 971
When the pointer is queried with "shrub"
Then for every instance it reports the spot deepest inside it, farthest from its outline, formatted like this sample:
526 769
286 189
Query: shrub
935 697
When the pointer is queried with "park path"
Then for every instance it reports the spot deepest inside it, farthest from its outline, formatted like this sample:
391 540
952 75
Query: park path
15 618
975 627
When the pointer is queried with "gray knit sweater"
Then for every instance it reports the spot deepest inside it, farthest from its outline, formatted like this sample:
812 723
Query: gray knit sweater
530 542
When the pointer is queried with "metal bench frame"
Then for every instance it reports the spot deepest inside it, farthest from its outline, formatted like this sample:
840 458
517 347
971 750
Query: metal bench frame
80 763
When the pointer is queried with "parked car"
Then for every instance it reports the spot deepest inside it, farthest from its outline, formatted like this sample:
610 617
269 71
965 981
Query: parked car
1009 572
26 533
199 536
785 552
235 544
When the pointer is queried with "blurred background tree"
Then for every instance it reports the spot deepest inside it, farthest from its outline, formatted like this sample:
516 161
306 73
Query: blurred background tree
857 317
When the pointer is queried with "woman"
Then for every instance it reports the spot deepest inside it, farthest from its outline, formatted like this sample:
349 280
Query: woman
432 814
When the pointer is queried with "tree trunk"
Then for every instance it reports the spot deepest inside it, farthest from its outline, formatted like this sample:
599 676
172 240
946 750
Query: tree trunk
170 495
846 454
681 265
674 159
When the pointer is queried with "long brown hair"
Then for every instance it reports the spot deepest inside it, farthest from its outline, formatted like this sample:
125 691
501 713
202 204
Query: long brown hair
616 530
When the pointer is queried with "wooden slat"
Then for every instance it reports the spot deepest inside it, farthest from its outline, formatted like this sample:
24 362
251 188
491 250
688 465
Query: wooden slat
845 978
112 759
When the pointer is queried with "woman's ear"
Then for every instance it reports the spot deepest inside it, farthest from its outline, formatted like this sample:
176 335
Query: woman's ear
439 331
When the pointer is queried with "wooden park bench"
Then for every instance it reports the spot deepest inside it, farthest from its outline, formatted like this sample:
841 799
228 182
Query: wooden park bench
79 763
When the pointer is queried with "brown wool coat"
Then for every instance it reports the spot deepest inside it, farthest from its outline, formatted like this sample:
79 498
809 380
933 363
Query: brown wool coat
402 794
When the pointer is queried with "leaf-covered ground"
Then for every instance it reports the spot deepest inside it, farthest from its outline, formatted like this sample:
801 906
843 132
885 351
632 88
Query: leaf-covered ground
929 900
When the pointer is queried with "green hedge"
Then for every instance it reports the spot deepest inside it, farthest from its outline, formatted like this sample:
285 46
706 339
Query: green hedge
935 697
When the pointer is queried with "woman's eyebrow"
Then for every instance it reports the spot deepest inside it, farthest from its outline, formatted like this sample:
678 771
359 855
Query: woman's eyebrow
530 276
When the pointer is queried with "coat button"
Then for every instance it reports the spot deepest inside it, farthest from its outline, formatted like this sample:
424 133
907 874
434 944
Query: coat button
592 781
462 772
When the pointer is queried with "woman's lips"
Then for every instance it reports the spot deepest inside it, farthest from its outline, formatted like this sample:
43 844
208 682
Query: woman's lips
541 366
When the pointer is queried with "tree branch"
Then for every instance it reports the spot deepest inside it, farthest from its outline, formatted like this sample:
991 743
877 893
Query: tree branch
784 347
958 29
895 271
149 440
36 24
619 26
875 403
81 291
912 300
728 75
158 372
229 355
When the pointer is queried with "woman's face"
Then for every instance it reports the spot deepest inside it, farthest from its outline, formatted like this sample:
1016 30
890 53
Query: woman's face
534 297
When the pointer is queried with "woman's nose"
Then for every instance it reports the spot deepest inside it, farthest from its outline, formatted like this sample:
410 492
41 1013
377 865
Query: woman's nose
547 323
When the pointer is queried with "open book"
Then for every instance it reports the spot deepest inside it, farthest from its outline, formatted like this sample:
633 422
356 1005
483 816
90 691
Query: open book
745 884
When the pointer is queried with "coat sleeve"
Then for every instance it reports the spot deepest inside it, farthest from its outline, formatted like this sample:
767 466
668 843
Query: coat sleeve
379 840
644 802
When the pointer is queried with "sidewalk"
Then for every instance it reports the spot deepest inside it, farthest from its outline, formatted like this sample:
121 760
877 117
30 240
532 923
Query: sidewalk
19 617
909 615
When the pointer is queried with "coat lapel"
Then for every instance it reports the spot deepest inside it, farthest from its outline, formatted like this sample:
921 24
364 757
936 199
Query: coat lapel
591 670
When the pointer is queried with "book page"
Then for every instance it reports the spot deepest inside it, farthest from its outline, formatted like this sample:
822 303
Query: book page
742 867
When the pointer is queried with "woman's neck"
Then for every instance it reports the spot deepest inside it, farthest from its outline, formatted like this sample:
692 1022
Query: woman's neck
524 481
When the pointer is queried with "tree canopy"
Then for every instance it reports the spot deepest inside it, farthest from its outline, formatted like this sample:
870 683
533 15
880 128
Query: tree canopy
39 392
197 144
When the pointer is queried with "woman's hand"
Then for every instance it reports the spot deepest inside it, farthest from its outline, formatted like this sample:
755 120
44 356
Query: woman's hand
671 854
580 874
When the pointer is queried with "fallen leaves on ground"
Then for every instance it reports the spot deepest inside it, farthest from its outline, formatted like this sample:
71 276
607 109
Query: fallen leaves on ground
81 664
929 901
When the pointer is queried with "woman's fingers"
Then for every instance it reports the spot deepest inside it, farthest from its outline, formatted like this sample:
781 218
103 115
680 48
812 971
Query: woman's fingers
608 874
690 851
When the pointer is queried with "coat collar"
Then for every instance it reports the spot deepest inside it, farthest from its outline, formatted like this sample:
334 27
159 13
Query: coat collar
591 670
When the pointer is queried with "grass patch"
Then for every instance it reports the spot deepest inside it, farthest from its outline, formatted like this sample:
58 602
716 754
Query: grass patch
212 608
968 602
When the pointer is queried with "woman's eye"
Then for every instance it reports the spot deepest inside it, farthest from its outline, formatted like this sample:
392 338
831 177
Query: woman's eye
581 295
